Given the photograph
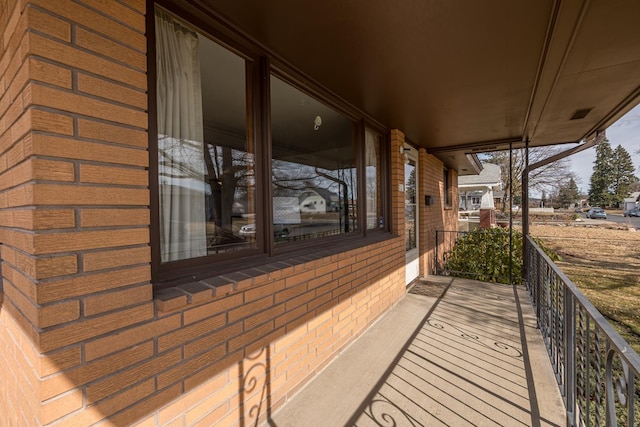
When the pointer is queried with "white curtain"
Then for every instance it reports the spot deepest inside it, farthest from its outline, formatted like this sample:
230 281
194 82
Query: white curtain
180 141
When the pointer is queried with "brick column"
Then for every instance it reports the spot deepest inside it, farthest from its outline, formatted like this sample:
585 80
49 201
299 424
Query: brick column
397 181
73 195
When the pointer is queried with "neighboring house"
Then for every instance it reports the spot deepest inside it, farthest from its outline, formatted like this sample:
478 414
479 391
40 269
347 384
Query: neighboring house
480 191
318 200
632 201
118 306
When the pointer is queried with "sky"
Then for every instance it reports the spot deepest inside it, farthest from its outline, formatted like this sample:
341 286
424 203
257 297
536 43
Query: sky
625 132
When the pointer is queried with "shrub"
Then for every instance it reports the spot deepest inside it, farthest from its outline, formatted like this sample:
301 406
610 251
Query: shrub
484 255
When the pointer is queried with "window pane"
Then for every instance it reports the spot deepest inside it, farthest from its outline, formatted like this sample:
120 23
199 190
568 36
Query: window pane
206 160
373 173
411 209
313 167
447 188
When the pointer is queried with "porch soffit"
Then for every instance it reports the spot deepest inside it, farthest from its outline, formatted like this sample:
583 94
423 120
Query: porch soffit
461 76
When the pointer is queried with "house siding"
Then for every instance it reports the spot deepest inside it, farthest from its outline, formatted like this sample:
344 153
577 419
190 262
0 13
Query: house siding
83 338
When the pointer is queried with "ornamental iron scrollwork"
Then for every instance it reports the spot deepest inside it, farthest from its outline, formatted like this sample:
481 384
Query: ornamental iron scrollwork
497 346
386 414
254 378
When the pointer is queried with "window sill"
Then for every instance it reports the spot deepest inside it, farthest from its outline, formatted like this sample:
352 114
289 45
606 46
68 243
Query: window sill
212 285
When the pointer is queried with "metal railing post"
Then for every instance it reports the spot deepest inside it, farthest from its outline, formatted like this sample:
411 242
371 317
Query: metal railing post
570 356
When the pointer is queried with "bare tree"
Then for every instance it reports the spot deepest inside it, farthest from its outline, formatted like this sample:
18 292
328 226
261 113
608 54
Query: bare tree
548 178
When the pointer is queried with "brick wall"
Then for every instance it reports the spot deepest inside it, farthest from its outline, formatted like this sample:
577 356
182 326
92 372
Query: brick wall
436 216
82 337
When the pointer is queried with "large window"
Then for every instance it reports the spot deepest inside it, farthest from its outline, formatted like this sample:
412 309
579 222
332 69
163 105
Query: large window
313 167
206 161
219 196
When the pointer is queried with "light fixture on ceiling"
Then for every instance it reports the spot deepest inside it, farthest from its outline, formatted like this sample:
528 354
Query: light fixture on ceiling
317 123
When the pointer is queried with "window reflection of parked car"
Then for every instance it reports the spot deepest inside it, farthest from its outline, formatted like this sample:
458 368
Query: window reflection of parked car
280 230
632 212
595 213
248 230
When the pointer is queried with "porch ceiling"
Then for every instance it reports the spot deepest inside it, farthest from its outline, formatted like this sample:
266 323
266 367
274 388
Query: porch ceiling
462 76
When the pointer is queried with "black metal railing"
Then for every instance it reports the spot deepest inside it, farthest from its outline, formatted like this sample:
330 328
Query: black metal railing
596 369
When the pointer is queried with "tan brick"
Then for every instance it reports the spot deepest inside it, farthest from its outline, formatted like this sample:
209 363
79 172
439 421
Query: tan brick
247 309
53 218
59 361
115 383
263 316
113 217
119 299
110 49
110 133
90 328
47 24
203 395
132 18
212 340
54 194
47 145
147 406
56 314
250 336
51 170
83 240
129 337
113 175
59 407
62 382
91 283
191 332
189 366
51 97
20 281
212 309
75 58
114 92
100 23
262 291
139 5
26 305
49 73
46 121
56 266
93 261
212 417
109 406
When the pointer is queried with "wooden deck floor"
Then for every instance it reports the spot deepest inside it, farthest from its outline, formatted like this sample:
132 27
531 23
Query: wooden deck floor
453 352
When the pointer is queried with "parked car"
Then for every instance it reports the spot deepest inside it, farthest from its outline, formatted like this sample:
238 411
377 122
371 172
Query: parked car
632 212
595 213
249 230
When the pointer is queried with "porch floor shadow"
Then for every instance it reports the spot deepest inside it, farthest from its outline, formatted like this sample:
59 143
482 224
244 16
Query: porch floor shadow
453 352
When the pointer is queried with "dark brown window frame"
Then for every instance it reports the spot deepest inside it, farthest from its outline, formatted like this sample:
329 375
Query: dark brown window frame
264 63
448 188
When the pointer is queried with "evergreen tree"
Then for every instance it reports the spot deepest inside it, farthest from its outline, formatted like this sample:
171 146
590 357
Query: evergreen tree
623 176
601 181
568 194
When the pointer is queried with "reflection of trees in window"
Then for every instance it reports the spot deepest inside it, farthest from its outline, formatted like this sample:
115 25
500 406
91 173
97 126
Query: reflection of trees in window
411 186
337 187
229 176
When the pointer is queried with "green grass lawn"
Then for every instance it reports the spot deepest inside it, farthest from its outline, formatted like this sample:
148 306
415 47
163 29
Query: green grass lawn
605 265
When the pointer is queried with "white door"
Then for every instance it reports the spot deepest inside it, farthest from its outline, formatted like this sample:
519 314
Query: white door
411 213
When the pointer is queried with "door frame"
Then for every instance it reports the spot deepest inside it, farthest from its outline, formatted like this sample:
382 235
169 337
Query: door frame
412 256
